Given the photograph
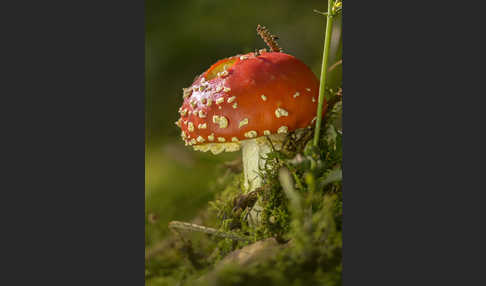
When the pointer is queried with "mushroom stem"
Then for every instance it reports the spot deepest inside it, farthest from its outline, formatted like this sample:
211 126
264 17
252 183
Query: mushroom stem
254 157
253 160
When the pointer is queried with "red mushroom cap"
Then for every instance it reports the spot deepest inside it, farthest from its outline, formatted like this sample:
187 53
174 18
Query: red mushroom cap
248 96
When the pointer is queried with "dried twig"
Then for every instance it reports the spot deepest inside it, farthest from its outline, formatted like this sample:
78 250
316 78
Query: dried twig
335 65
180 225
269 39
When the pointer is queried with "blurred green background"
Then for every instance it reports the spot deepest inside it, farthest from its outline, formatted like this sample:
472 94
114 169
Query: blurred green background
183 38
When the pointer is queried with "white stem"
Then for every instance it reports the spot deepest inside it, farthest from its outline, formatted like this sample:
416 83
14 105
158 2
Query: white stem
254 156
253 160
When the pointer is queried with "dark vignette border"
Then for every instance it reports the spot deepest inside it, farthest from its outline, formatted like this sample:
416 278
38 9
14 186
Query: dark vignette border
413 152
73 180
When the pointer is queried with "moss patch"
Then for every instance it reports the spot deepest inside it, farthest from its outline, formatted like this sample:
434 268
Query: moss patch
302 208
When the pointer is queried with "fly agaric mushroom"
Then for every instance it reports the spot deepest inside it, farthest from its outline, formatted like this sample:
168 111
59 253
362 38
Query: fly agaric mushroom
240 100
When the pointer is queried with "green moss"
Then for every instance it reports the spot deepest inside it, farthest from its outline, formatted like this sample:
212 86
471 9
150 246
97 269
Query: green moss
301 198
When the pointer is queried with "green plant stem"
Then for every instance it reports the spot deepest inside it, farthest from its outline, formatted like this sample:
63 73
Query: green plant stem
322 86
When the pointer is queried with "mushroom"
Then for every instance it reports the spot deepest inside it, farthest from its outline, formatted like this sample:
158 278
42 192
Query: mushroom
241 100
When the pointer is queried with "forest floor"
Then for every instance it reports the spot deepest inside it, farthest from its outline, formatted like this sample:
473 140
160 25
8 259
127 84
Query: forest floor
299 241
